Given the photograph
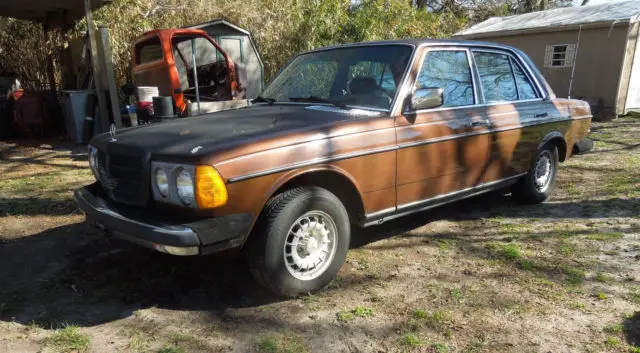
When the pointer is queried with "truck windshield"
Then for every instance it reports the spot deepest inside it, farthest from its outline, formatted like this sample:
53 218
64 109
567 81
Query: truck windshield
365 76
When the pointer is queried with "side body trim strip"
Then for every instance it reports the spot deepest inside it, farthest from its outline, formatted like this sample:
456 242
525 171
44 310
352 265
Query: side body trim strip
423 205
387 149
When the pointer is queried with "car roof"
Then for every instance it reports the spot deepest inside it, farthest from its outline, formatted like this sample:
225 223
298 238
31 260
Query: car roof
420 41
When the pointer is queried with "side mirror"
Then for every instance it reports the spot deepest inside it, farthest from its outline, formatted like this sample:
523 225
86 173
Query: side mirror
426 98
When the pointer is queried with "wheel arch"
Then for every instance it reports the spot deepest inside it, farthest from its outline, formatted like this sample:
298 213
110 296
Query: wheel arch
332 178
557 139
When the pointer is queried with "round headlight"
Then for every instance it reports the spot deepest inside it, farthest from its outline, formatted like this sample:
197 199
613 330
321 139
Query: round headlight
162 182
184 184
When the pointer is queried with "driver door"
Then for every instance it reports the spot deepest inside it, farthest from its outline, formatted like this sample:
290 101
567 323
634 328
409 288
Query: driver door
441 150
209 80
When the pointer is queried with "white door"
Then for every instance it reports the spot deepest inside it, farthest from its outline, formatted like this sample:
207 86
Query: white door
633 94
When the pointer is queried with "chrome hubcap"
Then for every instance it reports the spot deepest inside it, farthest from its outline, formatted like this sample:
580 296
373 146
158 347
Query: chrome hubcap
310 245
543 171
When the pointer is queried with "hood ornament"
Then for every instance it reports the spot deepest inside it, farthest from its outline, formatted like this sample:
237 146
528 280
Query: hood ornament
112 133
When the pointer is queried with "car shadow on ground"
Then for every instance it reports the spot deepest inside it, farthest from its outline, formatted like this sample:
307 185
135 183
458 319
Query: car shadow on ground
73 274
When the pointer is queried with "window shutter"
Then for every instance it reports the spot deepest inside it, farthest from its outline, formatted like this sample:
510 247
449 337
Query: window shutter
570 56
548 54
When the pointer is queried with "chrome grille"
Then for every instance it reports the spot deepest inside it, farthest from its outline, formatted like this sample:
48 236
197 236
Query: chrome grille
123 178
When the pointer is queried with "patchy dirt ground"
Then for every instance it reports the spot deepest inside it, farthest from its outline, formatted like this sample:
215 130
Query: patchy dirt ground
481 275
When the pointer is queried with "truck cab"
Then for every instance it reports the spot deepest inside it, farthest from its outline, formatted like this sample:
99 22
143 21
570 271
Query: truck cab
190 66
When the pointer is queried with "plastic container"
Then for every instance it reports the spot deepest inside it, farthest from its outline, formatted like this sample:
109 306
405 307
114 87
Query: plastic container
146 93
77 106
163 108
133 116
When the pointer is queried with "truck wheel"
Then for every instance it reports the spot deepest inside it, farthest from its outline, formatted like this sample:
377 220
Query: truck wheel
538 184
301 242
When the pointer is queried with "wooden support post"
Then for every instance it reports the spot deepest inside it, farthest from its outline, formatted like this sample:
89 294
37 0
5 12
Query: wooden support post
51 77
104 118
109 75
107 61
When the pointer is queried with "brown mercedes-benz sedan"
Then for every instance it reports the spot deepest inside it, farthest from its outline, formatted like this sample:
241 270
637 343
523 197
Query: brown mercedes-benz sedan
351 135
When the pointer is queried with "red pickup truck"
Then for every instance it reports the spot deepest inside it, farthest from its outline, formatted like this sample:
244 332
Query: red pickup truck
190 66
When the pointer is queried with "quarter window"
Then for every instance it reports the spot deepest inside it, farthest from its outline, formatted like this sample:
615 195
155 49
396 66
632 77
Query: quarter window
497 79
449 70
525 88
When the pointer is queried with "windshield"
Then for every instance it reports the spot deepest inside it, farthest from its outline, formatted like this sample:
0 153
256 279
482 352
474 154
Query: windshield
366 76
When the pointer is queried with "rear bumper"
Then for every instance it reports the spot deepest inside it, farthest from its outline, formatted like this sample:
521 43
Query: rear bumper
177 236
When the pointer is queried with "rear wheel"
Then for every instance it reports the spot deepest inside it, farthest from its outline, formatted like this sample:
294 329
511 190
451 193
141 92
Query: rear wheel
539 182
301 241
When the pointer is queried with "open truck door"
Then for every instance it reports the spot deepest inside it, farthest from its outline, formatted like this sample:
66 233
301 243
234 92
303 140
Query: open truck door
189 66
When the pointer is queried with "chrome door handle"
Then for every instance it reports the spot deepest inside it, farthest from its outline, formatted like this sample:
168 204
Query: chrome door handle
478 123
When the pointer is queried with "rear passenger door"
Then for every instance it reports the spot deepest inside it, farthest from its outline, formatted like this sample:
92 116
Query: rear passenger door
512 103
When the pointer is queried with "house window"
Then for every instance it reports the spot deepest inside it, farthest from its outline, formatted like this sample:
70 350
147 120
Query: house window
559 55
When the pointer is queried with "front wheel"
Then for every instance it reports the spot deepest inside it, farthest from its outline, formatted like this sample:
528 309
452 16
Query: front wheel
301 241
537 185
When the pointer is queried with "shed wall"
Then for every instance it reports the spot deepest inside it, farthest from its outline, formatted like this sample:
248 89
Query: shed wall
598 63
249 57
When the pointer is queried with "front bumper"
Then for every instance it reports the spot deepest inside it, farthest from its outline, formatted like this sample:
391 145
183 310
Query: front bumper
160 231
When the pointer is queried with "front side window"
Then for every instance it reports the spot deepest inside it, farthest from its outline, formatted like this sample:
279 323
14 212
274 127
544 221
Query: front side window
379 71
496 77
366 76
449 70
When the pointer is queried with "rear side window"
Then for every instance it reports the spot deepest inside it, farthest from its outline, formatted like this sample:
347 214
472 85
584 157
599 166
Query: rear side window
449 70
497 78
148 51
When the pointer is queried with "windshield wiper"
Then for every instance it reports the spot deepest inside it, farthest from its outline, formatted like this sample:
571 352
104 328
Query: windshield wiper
316 99
261 99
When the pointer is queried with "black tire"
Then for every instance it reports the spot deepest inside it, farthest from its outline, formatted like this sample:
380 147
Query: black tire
584 145
526 190
266 248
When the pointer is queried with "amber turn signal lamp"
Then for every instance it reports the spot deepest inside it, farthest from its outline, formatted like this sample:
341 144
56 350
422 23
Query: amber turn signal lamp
210 188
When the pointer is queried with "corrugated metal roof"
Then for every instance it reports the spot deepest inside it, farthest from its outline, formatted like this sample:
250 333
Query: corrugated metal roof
568 16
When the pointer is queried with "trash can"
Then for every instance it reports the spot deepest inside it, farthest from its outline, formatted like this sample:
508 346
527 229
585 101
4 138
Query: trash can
6 129
77 106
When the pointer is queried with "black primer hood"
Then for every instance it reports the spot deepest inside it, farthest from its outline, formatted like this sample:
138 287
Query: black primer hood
218 131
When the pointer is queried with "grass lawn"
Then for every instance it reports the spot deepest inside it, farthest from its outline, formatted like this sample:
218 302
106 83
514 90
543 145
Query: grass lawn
481 275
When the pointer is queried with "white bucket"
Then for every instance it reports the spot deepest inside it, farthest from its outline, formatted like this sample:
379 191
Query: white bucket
146 93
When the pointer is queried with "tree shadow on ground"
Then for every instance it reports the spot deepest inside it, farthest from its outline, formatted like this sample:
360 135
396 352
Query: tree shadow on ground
632 329
50 146
496 205
73 274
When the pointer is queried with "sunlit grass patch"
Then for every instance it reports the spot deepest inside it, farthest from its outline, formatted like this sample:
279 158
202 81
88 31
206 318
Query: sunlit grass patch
358 311
411 340
615 328
68 339
508 252
285 342
605 236
573 276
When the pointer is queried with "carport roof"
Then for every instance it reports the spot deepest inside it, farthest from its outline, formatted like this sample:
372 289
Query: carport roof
41 10
556 19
